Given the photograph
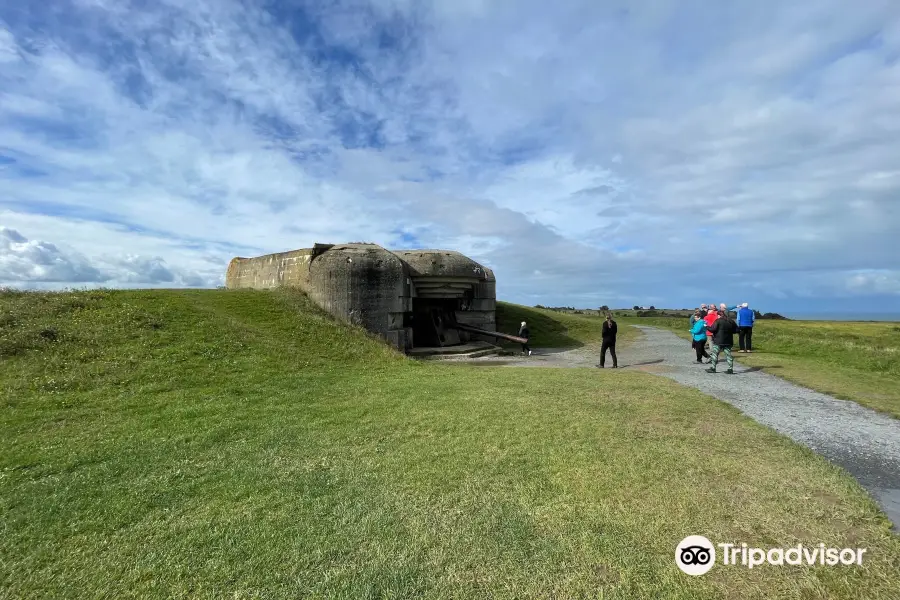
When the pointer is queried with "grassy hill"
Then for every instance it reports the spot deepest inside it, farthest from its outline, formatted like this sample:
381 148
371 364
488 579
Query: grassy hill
241 444
853 361
554 329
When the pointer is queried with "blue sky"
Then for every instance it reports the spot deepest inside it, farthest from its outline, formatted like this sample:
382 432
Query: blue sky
591 153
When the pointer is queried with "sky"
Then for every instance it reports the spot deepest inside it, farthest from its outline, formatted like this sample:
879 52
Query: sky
590 153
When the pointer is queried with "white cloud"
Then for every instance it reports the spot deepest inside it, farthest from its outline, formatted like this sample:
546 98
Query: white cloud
8 48
28 263
35 261
875 282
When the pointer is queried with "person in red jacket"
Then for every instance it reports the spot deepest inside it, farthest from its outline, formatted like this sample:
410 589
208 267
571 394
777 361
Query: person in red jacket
711 317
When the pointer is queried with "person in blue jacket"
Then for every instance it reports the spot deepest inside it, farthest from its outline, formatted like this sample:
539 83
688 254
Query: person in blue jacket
745 320
698 335
698 314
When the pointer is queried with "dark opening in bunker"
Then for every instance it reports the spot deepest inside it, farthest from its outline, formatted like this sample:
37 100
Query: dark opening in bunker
433 322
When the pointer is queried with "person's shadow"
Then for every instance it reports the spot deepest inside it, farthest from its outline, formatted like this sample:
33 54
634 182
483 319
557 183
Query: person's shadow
641 364
760 368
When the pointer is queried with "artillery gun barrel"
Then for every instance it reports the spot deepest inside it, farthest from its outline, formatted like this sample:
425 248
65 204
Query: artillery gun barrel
496 334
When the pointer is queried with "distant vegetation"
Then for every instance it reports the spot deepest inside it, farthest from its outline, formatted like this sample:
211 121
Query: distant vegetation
650 311
769 315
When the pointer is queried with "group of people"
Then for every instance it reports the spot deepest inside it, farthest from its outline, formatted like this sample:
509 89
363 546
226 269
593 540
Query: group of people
712 327
715 326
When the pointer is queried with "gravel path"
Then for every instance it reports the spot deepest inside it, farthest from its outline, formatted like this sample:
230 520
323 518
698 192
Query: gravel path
862 441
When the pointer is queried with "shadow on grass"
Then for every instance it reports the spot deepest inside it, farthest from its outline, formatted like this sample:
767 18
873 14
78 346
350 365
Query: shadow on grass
760 368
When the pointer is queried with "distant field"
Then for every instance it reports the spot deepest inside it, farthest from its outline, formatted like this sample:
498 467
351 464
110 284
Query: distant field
241 444
853 361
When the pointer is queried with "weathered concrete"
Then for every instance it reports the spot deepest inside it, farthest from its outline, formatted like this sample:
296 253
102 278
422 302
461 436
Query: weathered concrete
392 294
363 284
272 270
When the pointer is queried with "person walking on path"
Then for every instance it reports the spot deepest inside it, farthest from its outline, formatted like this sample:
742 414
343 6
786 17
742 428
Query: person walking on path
723 331
745 320
703 311
697 315
698 338
709 319
608 335
524 333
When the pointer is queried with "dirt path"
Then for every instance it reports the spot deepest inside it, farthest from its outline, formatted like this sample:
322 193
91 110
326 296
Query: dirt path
862 441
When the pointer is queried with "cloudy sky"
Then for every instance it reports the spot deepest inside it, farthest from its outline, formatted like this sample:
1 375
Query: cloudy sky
589 152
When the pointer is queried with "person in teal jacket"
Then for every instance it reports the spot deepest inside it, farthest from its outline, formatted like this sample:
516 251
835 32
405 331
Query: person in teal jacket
697 315
698 335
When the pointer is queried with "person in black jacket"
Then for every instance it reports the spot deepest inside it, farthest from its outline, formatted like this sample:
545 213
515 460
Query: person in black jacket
723 331
608 334
523 333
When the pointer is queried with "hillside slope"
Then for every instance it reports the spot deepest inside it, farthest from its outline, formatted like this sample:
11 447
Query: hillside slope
209 444
554 329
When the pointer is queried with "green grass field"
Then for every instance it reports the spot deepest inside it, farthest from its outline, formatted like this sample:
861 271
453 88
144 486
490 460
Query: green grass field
853 361
212 444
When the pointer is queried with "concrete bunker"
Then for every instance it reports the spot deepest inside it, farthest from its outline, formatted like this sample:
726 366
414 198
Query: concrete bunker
420 301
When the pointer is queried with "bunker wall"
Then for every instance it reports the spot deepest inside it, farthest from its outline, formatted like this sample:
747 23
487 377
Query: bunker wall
365 285
375 288
270 271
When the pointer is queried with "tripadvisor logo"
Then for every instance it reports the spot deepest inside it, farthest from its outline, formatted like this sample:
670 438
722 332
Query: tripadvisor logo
696 555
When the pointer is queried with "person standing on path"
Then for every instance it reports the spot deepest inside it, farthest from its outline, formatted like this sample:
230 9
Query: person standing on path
608 334
697 315
710 318
745 320
723 331
524 333
698 338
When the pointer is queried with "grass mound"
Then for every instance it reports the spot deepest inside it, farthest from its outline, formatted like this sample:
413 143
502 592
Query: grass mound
853 361
554 329
209 444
